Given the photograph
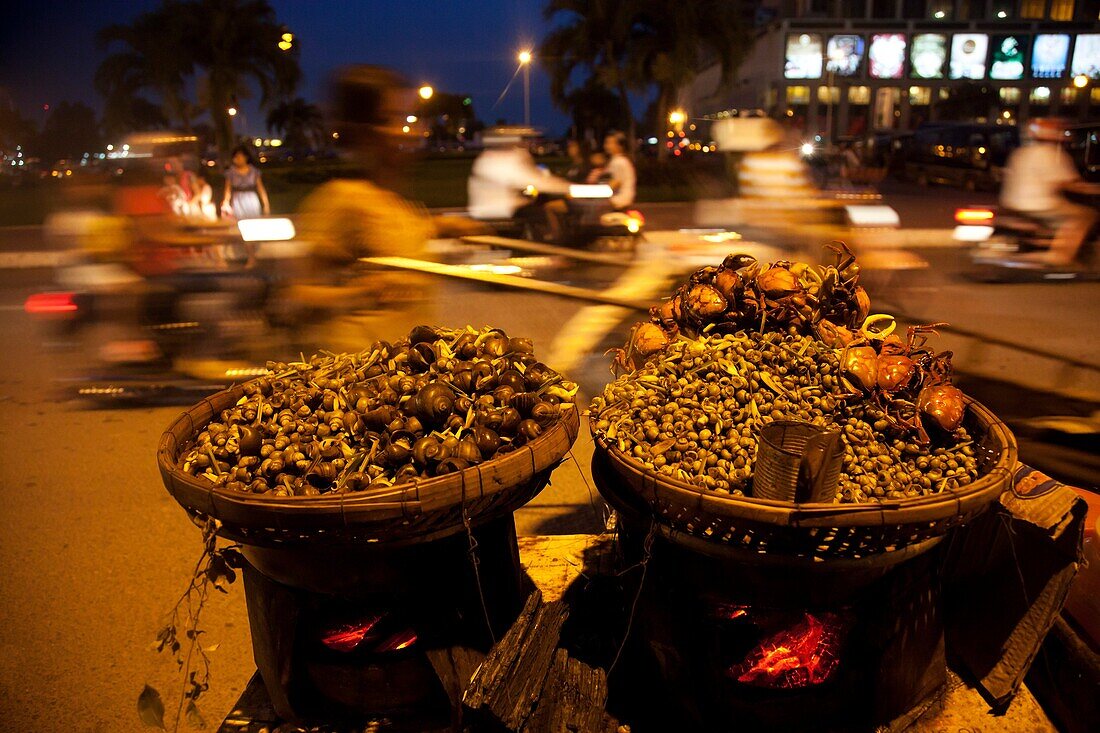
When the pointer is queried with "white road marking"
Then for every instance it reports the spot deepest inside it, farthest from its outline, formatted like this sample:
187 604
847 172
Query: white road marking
28 260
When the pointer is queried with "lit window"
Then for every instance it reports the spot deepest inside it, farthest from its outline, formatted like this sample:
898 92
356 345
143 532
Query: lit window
1010 95
1069 95
1061 9
1094 96
1032 9
860 95
828 95
798 95
1040 95
919 96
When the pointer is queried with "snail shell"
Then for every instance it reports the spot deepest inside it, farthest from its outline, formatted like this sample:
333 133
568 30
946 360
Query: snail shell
420 334
451 465
434 403
524 402
512 378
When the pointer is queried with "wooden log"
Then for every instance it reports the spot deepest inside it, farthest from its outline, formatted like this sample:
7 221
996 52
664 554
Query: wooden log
501 657
454 666
512 702
572 699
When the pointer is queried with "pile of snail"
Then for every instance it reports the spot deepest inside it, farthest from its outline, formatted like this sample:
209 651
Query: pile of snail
434 403
744 344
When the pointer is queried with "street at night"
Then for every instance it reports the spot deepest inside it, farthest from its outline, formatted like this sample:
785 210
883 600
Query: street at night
537 365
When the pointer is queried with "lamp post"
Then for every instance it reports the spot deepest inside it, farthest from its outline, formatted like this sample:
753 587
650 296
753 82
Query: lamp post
426 92
525 61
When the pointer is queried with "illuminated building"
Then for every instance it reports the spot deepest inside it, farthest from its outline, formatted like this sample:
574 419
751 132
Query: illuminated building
854 66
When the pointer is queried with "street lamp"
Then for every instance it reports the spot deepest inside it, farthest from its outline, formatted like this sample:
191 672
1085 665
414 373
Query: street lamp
426 92
232 111
1080 81
676 118
525 61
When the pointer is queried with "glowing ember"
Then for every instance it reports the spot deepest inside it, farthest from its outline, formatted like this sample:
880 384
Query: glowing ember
730 611
800 656
401 640
346 637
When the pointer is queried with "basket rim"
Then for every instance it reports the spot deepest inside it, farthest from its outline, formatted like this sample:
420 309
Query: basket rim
930 508
348 510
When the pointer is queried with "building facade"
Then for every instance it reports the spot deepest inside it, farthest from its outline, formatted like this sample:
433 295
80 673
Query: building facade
843 68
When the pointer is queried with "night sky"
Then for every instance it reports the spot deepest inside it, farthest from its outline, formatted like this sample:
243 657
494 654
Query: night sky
48 53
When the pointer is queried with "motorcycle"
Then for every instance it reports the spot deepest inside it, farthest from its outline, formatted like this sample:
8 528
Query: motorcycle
191 328
589 221
1000 239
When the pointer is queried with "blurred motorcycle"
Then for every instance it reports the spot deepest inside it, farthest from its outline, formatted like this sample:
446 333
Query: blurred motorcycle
998 237
589 221
191 326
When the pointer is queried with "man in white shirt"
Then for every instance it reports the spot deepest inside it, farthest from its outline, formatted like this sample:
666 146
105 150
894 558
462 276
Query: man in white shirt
624 181
1035 177
500 175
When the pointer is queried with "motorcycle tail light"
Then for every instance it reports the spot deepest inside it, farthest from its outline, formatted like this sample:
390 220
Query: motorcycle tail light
50 304
973 215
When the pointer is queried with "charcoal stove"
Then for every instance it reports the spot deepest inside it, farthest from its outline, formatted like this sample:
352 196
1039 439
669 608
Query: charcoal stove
791 617
779 644
369 605
350 633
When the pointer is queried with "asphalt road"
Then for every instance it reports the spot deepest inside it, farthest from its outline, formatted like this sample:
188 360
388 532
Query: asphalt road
95 551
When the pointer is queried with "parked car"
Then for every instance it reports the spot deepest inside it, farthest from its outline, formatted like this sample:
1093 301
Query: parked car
970 155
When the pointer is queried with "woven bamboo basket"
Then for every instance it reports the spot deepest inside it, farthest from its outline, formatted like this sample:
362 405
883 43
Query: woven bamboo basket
688 513
417 511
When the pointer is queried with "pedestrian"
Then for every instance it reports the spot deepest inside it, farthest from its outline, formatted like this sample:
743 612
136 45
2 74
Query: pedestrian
245 196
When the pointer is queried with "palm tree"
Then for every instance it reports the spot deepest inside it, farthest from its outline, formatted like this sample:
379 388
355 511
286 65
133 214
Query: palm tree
149 54
595 38
240 43
229 45
300 123
670 38
639 44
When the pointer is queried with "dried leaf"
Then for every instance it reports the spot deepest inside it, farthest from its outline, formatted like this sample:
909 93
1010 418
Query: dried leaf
233 557
151 708
194 717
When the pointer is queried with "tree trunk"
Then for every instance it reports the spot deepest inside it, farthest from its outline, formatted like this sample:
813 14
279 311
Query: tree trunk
632 127
663 97
223 131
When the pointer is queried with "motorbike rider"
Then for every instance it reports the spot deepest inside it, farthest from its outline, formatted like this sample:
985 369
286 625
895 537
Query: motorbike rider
624 180
348 304
578 165
500 176
1036 177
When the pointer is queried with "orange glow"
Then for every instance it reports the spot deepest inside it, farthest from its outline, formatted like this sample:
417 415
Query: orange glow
973 216
347 637
803 655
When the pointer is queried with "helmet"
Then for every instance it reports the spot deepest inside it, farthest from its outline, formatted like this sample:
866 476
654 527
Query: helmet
1047 129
